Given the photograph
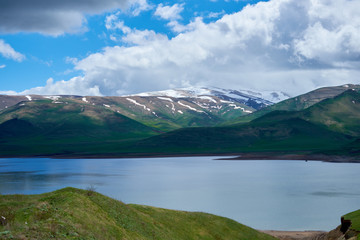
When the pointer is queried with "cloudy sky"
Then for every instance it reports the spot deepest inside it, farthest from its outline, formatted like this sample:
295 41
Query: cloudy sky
117 47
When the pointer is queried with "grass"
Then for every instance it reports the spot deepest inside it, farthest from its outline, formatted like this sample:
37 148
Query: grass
354 217
355 220
72 213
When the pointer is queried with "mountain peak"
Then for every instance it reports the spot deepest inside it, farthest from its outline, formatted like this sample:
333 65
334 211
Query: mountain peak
254 99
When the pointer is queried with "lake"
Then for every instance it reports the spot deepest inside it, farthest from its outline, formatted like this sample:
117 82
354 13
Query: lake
277 195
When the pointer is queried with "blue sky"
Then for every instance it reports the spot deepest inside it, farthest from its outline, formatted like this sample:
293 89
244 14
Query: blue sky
129 46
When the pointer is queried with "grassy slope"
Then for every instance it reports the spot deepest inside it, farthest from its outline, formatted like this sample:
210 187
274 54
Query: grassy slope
288 135
78 214
331 124
354 217
45 128
340 114
298 103
166 119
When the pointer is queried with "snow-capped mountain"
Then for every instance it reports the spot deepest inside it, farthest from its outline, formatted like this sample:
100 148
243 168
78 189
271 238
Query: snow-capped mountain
254 99
164 110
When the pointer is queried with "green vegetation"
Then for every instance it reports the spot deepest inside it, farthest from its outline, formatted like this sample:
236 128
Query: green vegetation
298 103
43 128
354 229
354 217
84 214
330 127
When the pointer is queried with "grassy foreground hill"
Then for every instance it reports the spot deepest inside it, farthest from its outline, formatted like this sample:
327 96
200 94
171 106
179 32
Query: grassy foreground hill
72 213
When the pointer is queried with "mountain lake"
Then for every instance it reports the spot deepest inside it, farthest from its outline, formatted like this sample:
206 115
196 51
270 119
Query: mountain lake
267 194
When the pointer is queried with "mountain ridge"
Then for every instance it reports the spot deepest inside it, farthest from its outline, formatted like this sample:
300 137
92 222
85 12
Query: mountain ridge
116 127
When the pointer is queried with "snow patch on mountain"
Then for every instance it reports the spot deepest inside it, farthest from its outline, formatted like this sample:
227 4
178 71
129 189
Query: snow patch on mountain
138 104
189 107
54 98
251 98
207 98
165 98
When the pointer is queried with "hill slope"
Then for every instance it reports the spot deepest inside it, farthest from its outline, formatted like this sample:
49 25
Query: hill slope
300 102
328 125
166 110
78 214
45 128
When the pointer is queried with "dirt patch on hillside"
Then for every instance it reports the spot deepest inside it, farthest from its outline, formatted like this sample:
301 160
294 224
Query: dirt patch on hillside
297 235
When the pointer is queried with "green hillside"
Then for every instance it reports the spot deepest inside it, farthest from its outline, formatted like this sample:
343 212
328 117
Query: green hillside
329 125
353 219
70 129
298 103
45 128
290 135
84 214
340 114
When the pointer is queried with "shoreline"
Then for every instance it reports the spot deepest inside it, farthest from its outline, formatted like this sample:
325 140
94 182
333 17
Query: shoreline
296 235
220 156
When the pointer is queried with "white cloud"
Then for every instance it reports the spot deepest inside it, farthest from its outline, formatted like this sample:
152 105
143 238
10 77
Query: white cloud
75 86
216 14
2 66
128 35
112 22
8 93
288 45
169 12
8 52
138 6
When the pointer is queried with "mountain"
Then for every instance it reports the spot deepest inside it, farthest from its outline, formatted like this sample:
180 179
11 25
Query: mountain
71 213
329 125
300 102
339 114
250 98
154 125
42 127
165 110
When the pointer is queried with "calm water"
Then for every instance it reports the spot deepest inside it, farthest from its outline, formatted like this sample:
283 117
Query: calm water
279 195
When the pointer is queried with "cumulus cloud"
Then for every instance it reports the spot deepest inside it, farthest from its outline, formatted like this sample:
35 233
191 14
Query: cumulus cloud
2 66
112 22
169 12
56 17
75 86
129 35
138 6
288 45
8 52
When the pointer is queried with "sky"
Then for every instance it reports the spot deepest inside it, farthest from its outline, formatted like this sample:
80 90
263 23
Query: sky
120 47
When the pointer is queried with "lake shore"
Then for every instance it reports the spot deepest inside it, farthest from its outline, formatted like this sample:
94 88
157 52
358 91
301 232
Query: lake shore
220 156
295 235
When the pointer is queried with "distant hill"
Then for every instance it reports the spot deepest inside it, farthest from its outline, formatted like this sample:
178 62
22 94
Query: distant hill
73 126
300 102
44 127
327 125
165 110
72 213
